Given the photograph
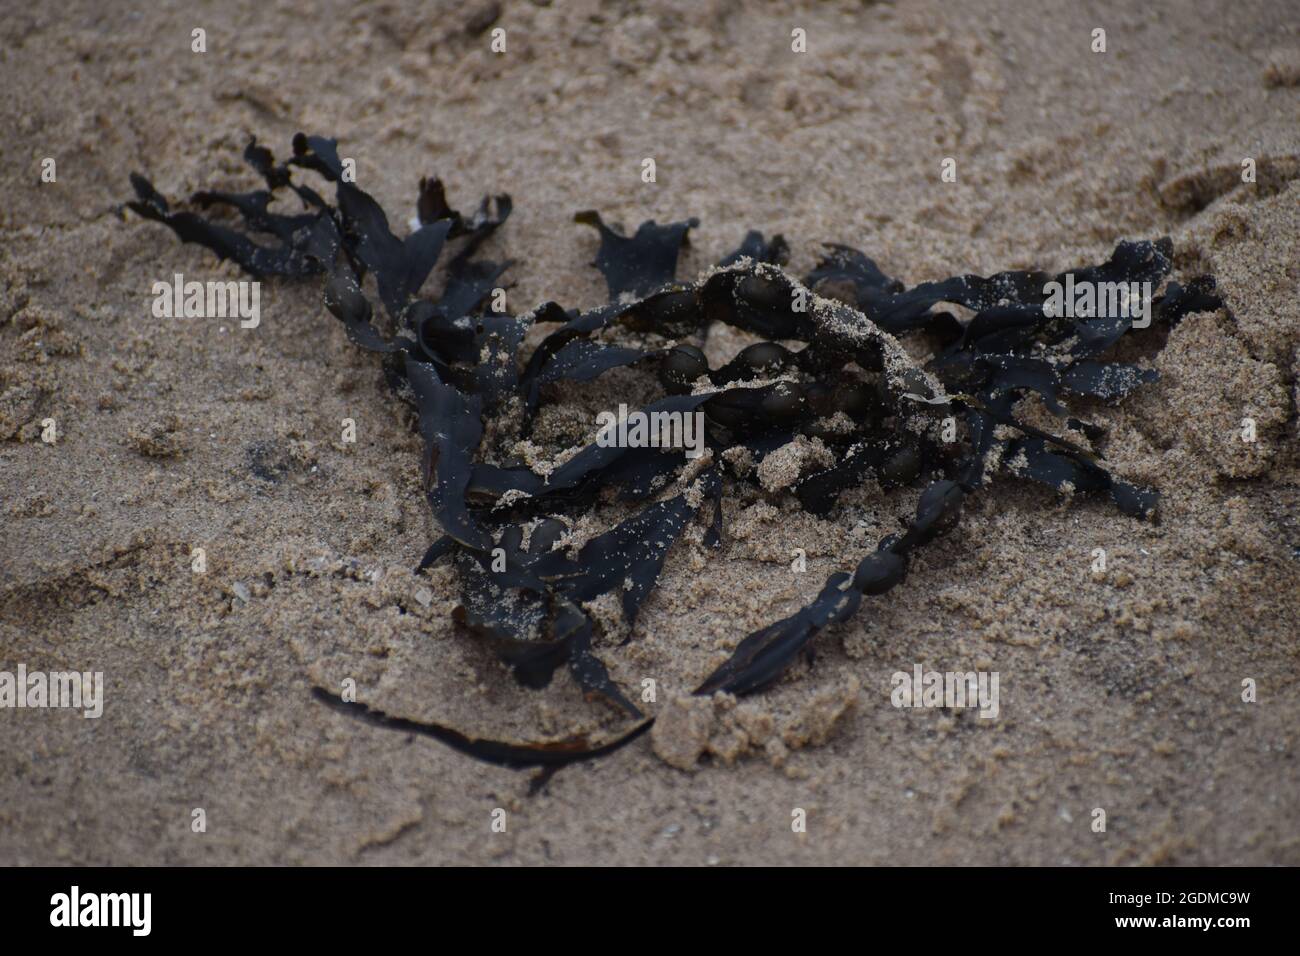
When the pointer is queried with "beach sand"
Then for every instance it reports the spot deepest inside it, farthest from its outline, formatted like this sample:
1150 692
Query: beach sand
1120 690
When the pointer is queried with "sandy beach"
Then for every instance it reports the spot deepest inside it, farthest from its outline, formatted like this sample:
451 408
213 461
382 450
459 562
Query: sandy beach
1121 689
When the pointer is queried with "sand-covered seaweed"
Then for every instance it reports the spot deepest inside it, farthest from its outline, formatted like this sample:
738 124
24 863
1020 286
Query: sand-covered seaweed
832 369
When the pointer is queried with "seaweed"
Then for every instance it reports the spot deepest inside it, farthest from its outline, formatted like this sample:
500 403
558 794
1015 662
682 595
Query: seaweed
755 247
831 366
302 250
642 263
515 756
629 556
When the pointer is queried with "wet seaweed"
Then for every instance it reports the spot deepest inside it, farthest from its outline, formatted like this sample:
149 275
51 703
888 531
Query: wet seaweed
640 264
830 367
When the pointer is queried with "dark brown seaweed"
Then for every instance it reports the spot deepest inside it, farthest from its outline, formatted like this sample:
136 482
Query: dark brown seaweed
461 366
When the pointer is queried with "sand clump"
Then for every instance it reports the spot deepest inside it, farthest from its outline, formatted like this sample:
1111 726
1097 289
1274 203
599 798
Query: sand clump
688 728
1236 412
